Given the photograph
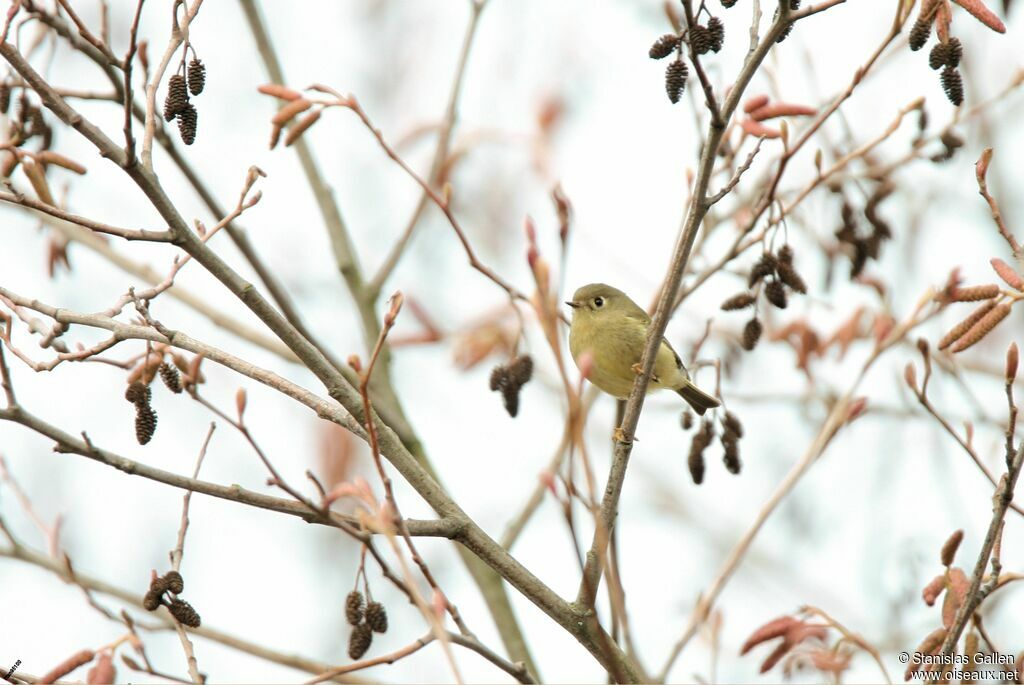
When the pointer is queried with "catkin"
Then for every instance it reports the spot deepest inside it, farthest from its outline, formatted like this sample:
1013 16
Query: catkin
975 293
982 328
664 46
953 85
354 607
359 641
740 301
377 617
196 76
1008 274
751 334
920 33
958 330
950 547
675 80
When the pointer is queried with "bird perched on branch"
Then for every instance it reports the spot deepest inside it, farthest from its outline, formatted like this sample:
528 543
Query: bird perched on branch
612 328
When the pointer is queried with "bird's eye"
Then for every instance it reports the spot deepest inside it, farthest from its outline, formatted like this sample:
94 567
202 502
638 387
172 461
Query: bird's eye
598 301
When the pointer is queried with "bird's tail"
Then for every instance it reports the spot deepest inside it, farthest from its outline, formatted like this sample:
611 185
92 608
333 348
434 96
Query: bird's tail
697 398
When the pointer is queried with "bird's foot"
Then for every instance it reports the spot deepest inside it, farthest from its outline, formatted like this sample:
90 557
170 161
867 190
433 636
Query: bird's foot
637 369
619 435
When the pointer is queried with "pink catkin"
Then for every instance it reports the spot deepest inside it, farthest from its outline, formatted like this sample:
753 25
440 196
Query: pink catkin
957 331
975 293
1008 274
982 328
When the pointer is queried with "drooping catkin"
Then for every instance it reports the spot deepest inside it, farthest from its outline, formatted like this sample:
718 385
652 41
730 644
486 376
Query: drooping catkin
982 328
956 52
776 293
675 80
732 424
354 607
958 330
739 301
196 76
145 422
975 293
151 602
950 547
764 267
701 39
510 378
920 33
174 582
701 439
185 613
790 277
377 617
188 122
137 392
953 85
171 378
731 453
177 97
664 46
939 56
686 419
751 334
359 641
716 29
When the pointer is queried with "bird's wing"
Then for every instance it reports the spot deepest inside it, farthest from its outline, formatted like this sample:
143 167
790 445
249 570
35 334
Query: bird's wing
635 312
679 362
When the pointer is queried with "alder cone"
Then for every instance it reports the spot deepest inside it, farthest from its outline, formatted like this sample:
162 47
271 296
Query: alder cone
354 607
188 122
145 422
675 80
196 76
177 97
664 46
359 641
377 617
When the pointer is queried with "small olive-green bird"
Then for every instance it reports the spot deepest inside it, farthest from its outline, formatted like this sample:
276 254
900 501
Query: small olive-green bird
612 328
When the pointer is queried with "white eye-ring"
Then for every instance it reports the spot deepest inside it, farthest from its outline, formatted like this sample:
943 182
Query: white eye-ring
598 301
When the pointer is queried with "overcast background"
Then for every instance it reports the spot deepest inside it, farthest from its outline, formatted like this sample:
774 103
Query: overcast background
860 535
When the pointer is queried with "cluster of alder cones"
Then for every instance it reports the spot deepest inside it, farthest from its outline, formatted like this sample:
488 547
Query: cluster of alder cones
171 582
367 618
140 395
177 103
509 379
773 275
732 431
947 52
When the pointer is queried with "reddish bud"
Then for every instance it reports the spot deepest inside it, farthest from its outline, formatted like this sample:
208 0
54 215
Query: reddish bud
355 363
857 407
1012 357
240 402
981 166
395 306
910 376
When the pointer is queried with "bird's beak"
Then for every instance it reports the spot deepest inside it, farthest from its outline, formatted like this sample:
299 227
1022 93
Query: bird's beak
573 305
